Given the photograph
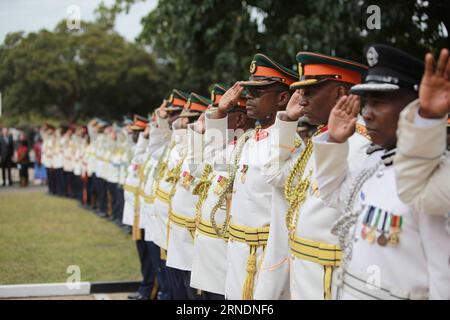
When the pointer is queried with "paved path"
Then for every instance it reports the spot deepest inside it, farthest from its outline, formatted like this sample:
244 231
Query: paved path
99 296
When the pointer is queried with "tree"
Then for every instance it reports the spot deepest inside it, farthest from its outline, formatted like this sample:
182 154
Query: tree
73 74
204 41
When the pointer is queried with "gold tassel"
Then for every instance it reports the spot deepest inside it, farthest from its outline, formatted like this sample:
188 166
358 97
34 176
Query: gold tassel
328 270
136 231
247 290
163 254
155 289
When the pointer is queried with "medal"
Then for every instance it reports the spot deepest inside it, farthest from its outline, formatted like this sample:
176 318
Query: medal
371 235
382 240
244 173
187 180
221 182
365 222
394 237
364 233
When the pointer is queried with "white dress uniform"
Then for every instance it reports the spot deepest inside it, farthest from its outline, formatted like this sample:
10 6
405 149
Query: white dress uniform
78 155
209 263
90 158
249 214
290 264
183 218
390 250
107 156
159 137
115 161
125 160
48 150
68 153
100 142
172 156
131 185
57 151
422 163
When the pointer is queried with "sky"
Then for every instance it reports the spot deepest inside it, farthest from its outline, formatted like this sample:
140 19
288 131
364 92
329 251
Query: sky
33 15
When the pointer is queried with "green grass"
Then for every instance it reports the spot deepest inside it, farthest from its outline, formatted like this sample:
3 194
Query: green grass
40 236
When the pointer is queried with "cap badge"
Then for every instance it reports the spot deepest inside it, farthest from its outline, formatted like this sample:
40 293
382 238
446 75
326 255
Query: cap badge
300 69
372 56
253 67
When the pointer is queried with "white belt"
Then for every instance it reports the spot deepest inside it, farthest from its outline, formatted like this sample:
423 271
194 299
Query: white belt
360 287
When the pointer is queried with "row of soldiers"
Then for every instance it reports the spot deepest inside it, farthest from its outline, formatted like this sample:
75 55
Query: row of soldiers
226 200
90 163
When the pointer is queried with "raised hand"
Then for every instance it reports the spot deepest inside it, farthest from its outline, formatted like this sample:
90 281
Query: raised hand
342 120
199 125
293 109
147 132
162 113
434 92
230 99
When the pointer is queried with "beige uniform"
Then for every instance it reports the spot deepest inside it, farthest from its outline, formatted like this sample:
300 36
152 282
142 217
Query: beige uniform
422 163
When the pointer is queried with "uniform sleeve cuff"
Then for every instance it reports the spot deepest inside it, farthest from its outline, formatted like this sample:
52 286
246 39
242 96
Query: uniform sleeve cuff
216 129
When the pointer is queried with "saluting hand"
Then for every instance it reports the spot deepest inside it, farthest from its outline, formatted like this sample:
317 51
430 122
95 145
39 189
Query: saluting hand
434 92
342 120
229 99
294 110
147 132
199 125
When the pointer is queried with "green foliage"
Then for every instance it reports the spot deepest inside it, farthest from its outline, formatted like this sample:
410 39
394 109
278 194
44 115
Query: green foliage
192 44
206 41
77 74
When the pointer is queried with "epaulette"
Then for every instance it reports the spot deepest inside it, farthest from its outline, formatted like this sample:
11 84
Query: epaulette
373 148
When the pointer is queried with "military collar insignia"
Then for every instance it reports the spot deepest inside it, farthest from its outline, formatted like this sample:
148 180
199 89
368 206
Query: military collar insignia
372 56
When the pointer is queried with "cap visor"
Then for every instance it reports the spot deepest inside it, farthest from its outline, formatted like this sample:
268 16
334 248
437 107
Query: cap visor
307 83
254 83
373 87
136 128
169 109
189 114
